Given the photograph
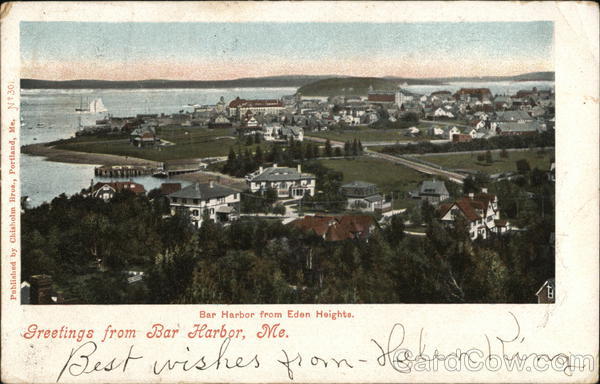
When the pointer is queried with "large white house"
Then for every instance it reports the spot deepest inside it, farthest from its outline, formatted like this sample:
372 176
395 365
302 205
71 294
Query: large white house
288 182
480 212
220 203
238 107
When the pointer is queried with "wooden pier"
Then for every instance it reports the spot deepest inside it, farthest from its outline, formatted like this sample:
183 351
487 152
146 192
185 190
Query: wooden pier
123 170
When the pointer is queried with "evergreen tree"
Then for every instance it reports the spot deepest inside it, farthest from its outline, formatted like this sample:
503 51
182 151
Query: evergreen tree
258 155
328 149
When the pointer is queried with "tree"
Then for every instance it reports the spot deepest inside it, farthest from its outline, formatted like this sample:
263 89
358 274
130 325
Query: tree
328 149
394 232
504 153
258 155
523 166
488 157
337 152
355 148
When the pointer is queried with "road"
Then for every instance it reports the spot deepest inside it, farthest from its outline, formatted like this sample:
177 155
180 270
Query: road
452 176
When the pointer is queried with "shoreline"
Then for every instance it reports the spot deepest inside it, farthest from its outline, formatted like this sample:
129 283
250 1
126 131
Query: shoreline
51 153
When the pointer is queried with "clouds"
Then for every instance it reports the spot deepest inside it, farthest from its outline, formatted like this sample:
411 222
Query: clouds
199 51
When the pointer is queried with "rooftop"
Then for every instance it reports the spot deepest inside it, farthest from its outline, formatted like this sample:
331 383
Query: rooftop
203 191
281 174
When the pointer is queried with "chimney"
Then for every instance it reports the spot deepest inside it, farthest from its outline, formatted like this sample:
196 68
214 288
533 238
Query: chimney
299 168
274 165
471 195
484 190
211 184
41 289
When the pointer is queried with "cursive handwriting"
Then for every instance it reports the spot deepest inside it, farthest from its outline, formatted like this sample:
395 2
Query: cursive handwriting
203 363
80 362
390 352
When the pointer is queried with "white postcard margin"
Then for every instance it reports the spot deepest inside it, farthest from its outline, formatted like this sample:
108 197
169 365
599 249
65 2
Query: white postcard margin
569 326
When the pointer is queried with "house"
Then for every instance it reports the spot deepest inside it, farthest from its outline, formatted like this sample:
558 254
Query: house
461 138
295 133
436 131
432 191
518 116
451 132
547 292
276 131
288 182
337 228
443 113
219 121
364 197
145 135
168 188
107 190
220 203
509 129
480 212
381 97
413 131
473 93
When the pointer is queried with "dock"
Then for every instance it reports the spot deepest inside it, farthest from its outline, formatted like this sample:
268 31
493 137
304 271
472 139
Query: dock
123 170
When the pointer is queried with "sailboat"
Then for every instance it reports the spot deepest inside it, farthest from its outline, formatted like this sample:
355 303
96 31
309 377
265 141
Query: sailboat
96 106
81 108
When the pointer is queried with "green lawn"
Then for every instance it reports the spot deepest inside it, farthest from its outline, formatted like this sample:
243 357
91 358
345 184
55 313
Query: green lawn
499 164
386 175
180 151
369 134
186 135
196 143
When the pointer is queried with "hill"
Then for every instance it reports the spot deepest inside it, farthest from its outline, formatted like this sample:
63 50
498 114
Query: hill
533 76
349 86
274 81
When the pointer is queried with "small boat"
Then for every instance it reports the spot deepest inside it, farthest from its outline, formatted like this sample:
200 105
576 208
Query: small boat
161 174
40 124
35 139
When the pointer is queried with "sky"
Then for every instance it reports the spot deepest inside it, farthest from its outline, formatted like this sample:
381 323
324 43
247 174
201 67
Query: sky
220 51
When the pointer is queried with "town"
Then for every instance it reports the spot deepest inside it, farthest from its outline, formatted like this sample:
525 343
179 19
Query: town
353 195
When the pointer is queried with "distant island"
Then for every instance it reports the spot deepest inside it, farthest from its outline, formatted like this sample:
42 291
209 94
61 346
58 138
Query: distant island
309 85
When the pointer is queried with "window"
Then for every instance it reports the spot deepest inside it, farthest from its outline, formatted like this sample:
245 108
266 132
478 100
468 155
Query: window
184 201
195 201
550 292
212 211
221 199
174 199
195 212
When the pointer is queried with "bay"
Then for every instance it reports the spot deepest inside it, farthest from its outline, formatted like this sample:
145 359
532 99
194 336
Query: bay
49 115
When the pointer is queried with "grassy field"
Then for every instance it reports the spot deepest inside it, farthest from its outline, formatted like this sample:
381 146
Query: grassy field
499 165
196 143
387 176
366 134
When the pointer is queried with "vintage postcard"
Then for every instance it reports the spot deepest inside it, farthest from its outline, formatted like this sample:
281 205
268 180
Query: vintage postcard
299 192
